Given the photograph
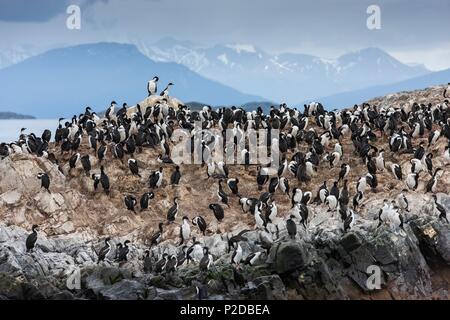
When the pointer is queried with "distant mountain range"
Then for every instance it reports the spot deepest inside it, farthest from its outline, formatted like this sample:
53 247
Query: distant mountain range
348 99
285 77
12 115
62 82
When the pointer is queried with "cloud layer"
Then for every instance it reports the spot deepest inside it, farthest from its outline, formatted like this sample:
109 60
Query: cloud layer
323 27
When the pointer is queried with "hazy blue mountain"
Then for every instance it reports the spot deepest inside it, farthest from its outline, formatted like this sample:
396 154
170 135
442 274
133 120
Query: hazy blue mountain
286 77
6 115
348 99
62 82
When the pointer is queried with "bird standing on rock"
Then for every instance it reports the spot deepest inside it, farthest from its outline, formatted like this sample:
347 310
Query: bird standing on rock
32 238
45 181
134 168
176 176
218 211
173 211
104 180
146 197
130 202
104 251
291 227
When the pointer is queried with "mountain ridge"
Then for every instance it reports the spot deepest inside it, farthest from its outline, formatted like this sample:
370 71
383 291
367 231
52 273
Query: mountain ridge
286 77
102 72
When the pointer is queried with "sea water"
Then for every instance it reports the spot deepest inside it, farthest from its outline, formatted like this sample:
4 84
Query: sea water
10 129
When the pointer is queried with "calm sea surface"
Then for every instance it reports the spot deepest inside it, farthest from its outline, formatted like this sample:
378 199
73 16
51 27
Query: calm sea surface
10 129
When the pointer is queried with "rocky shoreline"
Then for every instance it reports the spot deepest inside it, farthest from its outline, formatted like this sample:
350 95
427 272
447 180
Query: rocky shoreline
325 264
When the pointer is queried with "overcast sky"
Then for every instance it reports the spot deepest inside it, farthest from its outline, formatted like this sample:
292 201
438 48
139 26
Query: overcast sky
411 30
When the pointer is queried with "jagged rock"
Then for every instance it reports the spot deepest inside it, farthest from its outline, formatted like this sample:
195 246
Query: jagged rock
124 290
288 256
10 288
266 288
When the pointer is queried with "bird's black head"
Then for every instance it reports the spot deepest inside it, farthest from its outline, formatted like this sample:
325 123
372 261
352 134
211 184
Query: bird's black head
170 84
155 78
127 242
35 227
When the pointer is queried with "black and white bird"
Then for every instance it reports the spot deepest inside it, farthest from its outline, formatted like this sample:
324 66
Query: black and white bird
433 182
173 211
284 185
148 262
233 185
222 169
130 202
152 87
291 227
157 236
223 197
206 261
134 168
185 230
200 222
32 238
440 208
104 251
123 253
146 197
156 178
86 164
357 199
273 184
397 171
402 201
412 181
171 264
104 180
45 180
349 221
252 258
176 176
160 265
218 211
236 257
165 92
345 169
73 161
297 196
433 137
429 163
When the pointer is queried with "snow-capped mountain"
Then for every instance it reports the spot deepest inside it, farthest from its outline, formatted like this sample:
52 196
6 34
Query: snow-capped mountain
283 77
16 54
